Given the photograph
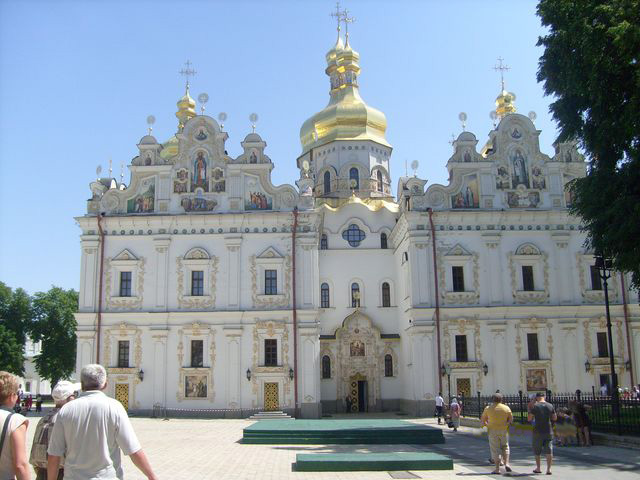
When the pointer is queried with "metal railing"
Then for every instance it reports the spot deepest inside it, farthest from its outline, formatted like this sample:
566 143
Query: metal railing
606 414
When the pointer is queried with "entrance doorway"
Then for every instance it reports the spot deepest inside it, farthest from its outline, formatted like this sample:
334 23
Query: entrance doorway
122 394
271 402
358 391
463 387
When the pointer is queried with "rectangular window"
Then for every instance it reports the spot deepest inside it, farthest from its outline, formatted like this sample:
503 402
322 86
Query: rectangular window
270 282
603 344
270 352
532 346
125 284
527 278
197 283
457 273
123 353
596 281
461 348
197 357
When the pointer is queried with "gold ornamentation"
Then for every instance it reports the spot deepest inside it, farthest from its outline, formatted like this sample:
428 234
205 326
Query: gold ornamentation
536 296
271 301
197 302
471 297
124 303
196 330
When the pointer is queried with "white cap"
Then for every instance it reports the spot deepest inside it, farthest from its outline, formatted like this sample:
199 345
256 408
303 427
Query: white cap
63 390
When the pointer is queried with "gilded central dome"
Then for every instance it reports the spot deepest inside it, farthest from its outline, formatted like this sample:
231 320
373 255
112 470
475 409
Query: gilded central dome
347 116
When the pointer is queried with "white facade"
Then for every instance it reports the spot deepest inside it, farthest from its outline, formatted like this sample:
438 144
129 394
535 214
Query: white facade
31 383
199 254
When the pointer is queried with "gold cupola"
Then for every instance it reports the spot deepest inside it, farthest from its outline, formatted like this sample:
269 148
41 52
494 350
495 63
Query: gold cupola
505 103
347 116
186 109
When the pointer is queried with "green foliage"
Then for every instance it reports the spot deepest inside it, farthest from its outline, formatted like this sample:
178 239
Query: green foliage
15 311
591 66
11 352
55 325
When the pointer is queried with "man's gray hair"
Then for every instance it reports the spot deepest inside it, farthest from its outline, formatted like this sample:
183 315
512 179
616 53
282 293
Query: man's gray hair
93 377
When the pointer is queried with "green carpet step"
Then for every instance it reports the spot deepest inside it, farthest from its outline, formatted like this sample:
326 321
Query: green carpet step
342 440
349 462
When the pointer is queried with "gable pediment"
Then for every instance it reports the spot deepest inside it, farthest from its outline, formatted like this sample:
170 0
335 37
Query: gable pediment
126 255
270 253
458 251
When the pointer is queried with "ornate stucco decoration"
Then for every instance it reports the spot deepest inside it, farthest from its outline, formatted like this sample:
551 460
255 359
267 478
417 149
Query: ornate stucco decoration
464 326
129 374
358 329
196 331
271 329
459 256
197 259
541 326
595 324
530 255
389 350
583 262
332 359
270 258
124 261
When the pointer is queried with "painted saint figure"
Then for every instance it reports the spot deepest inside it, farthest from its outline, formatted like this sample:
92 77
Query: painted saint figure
520 175
200 172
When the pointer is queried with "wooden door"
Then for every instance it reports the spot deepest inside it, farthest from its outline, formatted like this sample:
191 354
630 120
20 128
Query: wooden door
122 394
271 402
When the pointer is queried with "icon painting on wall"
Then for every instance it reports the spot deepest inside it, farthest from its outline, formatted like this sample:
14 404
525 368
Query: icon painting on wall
201 135
253 158
356 349
195 386
254 197
143 202
536 379
520 171
503 180
199 175
180 183
537 178
218 180
468 196
198 204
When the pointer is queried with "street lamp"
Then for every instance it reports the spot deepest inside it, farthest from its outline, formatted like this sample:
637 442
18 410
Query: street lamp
587 366
291 372
141 375
604 266
446 370
249 374
485 369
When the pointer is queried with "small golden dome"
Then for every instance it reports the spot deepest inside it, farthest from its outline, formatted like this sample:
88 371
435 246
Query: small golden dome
347 116
186 109
170 148
505 103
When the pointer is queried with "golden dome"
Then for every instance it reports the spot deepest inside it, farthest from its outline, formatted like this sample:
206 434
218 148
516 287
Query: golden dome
170 148
505 103
347 116
186 109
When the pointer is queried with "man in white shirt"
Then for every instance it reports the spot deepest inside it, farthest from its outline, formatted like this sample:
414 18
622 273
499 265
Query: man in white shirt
90 432
603 389
439 406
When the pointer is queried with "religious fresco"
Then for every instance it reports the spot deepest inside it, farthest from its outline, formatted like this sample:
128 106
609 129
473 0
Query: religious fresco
198 204
523 199
516 133
253 158
195 386
568 194
202 134
536 379
537 178
468 196
520 170
503 179
180 183
467 156
254 197
199 173
218 185
143 202
356 348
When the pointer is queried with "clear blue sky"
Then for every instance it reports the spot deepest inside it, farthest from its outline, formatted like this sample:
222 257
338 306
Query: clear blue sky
78 79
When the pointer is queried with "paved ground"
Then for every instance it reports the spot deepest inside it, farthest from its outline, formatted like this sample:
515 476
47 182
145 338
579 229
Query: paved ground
210 449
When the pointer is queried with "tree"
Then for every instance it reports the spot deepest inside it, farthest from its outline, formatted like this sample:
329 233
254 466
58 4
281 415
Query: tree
55 325
11 352
591 65
15 311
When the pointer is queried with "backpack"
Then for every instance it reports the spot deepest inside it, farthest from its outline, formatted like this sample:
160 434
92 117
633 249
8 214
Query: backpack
41 437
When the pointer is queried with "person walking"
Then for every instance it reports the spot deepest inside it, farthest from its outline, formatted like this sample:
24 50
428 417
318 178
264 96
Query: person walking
63 393
542 414
497 417
13 432
90 432
604 389
439 407
38 403
583 423
455 410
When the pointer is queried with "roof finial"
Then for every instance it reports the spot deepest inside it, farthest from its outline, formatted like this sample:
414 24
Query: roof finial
187 72
501 68
150 121
339 15
110 167
121 173
347 20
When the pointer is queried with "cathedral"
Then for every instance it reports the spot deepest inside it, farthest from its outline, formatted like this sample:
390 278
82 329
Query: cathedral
206 289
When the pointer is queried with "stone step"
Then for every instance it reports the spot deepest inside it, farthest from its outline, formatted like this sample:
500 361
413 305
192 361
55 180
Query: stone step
343 462
271 415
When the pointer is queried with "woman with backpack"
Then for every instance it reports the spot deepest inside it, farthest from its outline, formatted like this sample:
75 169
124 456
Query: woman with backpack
13 432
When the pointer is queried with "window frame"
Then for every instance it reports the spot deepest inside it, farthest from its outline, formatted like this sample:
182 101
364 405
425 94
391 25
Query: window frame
324 242
528 280
457 279
193 353
354 174
126 285
124 357
270 281
325 295
326 367
386 294
326 188
388 365
384 241
533 346
462 354
270 352
355 303
595 274
603 348
197 284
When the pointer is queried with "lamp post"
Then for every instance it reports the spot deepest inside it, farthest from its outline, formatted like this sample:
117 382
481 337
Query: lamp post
446 370
603 265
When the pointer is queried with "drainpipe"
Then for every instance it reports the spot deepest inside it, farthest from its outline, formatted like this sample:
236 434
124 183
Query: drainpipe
294 309
626 326
99 325
435 279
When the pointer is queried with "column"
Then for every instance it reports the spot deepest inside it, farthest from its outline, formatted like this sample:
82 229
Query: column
161 245
493 280
233 374
89 268
564 278
420 277
233 244
159 372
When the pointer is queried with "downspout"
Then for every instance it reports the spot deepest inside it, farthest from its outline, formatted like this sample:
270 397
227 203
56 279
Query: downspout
626 326
99 325
294 309
435 279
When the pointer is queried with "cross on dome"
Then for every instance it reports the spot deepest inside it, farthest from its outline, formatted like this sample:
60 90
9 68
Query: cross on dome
500 67
188 72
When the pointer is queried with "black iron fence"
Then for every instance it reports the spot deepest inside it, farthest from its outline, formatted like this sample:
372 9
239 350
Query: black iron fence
606 414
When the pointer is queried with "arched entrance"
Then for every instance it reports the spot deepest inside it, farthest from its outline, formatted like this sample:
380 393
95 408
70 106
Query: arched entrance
358 393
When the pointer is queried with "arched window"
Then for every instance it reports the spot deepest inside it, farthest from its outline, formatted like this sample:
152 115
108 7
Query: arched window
383 240
326 367
355 295
327 182
386 295
379 178
324 295
388 365
354 175
324 242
